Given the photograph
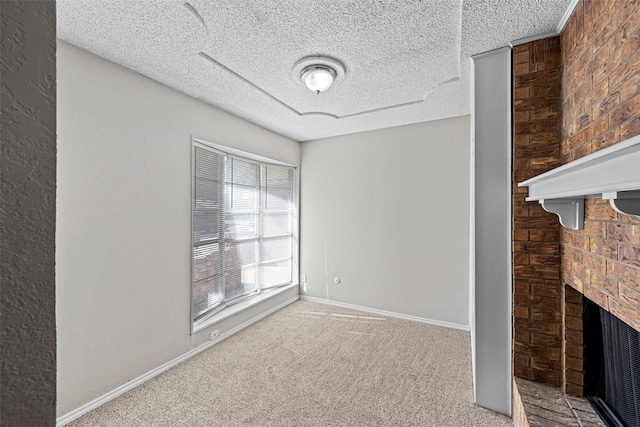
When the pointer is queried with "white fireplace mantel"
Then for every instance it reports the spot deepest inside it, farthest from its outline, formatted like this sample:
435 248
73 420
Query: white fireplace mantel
612 173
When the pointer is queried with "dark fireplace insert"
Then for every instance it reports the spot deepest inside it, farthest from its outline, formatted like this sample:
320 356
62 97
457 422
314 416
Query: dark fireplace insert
611 366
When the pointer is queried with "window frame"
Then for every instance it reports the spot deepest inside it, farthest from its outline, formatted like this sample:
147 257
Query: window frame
227 152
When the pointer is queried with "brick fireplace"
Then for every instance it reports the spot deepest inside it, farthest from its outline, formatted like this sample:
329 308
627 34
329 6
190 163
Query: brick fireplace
573 95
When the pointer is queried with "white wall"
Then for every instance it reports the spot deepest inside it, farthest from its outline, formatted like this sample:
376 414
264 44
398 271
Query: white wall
123 225
387 211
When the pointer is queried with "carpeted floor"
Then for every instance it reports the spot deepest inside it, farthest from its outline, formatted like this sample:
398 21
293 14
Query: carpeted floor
313 364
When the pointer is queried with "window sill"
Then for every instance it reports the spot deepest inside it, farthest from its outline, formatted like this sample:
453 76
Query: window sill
241 306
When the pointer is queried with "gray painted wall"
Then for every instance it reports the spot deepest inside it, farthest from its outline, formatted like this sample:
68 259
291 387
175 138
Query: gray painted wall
492 136
387 212
124 221
28 214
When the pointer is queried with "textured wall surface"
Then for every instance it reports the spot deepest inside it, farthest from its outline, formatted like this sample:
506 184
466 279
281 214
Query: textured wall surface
27 214
536 237
601 106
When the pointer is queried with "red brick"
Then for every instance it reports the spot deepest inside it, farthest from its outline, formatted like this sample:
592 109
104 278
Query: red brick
550 89
599 210
547 340
574 377
580 271
597 296
630 128
520 69
605 140
624 112
522 235
520 359
608 284
595 263
533 103
593 228
574 350
573 336
544 164
546 364
571 296
630 52
573 323
605 248
573 281
539 79
537 247
548 272
624 233
546 259
570 253
520 57
574 363
573 309
522 336
546 290
521 93
537 301
545 315
553 53
544 235
542 328
628 314
630 296
521 286
630 87
521 311
574 390
629 255
623 272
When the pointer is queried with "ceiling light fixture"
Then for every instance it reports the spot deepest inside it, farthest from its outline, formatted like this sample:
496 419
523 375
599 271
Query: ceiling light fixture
318 78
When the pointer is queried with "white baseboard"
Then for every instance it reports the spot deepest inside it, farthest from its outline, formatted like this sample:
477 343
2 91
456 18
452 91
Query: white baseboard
388 313
77 413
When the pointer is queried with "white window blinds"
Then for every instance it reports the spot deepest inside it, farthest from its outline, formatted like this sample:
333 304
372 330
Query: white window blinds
242 228
275 225
207 216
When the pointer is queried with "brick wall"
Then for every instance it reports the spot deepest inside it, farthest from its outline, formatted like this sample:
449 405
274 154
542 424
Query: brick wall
572 343
600 107
537 348
573 95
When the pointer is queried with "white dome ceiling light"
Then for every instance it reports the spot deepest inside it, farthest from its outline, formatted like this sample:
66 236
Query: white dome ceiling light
318 73
318 78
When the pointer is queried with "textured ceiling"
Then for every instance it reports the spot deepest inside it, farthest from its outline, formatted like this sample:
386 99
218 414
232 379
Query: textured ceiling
405 61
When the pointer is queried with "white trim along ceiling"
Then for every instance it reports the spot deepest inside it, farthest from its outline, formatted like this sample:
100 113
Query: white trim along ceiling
405 61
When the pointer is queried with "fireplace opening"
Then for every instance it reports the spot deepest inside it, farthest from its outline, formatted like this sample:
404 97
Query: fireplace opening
611 366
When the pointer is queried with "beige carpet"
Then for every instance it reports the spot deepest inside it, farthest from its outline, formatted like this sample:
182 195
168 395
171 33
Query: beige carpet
313 364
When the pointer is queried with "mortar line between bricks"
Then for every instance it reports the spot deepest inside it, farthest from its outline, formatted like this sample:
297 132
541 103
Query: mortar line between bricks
564 396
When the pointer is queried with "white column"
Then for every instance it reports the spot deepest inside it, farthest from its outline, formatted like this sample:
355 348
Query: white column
492 292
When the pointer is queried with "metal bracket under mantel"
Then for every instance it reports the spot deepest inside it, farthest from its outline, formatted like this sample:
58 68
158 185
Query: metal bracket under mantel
570 211
626 202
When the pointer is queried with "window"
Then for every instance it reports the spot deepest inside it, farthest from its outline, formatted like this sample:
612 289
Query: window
242 223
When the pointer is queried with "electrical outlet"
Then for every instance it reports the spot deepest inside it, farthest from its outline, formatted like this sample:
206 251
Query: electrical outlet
303 277
214 334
